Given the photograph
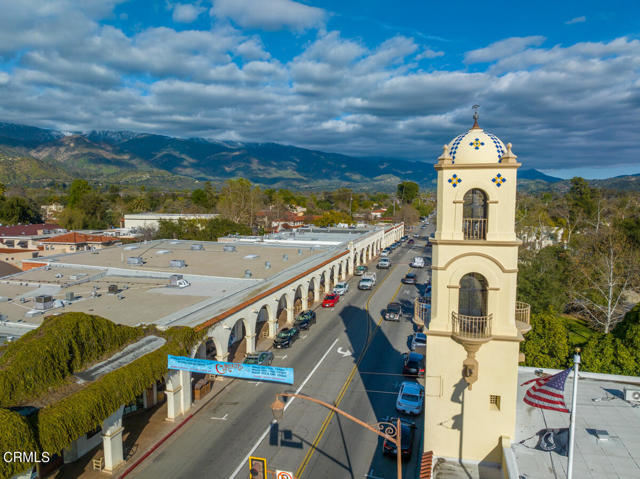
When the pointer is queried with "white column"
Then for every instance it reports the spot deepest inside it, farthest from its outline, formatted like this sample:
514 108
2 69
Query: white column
273 328
251 343
289 314
112 440
185 392
178 393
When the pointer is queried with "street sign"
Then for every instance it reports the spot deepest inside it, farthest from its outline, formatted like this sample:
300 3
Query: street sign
284 474
233 370
257 468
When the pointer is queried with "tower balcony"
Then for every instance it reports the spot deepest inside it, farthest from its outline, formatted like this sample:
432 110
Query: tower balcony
471 329
523 317
474 228
422 311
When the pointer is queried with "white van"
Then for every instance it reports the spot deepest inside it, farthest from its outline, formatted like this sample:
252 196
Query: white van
418 262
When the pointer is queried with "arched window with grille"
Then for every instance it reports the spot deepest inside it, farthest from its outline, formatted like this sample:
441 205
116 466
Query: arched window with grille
472 300
474 214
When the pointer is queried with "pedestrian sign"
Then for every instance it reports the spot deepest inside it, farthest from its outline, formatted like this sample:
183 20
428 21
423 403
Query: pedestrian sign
257 468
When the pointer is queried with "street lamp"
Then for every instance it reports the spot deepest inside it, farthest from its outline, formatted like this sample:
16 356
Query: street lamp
387 430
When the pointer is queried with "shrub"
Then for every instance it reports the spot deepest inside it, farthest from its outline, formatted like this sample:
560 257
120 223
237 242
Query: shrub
547 344
17 435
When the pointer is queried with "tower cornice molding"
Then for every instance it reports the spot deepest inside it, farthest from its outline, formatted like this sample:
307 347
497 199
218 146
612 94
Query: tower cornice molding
463 242
473 253
470 166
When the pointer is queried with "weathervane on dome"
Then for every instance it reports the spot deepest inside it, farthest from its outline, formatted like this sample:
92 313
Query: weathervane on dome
475 117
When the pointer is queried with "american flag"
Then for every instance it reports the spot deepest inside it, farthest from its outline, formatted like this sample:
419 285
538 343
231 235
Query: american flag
548 392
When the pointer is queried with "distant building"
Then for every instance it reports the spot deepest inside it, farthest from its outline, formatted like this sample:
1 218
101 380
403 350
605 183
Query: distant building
377 214
74 241
27 237
51 212
152 220
537 238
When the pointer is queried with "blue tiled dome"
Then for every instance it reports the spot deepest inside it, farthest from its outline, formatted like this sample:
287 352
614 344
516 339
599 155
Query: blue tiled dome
476 146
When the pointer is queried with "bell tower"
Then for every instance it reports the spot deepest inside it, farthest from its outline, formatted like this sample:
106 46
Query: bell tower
476 325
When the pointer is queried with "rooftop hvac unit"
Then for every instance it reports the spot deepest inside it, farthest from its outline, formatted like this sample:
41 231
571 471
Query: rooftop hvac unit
177 263
247 273
70 296
228 248
164 251
44 301
267 264
130 247
632 395
197 247
285 257
113 289
134 260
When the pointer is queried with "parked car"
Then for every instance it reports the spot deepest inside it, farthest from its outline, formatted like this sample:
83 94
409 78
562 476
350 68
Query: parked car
393 312
413 364
418 340
285 337
341 288
330 300
411 241
407 434
360 270
305 319
410 398
385 252
409 278
418 262
262 358
384 263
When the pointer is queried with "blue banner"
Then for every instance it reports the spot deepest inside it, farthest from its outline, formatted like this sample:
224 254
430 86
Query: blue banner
232 370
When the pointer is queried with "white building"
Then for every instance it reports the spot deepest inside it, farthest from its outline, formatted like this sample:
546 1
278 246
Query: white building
152 220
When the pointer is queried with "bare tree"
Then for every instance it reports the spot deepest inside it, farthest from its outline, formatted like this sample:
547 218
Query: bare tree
606 268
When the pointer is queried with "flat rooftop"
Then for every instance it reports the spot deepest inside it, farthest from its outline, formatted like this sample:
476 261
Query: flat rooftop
607 440
219 277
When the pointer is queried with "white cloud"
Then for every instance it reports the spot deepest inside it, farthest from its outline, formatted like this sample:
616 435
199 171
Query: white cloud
581 19
4 78
502 48
269 14
429 53
186 12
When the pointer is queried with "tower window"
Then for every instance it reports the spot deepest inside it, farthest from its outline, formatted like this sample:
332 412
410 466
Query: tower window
494 402
473 295
474 214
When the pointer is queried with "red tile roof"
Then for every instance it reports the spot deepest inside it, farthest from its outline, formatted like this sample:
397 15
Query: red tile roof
27 230
6 269
77 238
16 250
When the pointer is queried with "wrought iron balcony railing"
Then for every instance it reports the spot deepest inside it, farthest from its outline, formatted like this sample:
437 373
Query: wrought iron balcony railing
474 228
471 327
523 316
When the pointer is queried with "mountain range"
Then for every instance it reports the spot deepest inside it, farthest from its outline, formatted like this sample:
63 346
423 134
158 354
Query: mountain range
31 156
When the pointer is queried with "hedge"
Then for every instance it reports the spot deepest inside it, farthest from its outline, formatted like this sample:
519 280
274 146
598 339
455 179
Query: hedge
57 425
45 357
16 435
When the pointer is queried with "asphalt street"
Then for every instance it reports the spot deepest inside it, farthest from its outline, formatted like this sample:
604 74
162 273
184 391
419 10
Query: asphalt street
350 357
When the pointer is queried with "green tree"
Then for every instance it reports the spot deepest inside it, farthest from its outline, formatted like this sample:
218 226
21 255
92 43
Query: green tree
407 191
330 218
547 344
543 278
16 209
604 353
199 230
239 201
78 189
408 214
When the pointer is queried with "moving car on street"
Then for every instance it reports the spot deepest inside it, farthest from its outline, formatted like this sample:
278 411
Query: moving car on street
410 398
409 278
418 262
330 300
360 270
285 337
305 319
341 288
262 358
407 433
413 364
385 252
393 312
384 263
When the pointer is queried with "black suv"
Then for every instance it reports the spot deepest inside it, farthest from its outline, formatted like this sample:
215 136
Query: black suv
305 319
393 312
413 364
285 337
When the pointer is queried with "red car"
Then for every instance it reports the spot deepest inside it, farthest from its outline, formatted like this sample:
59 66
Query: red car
330 300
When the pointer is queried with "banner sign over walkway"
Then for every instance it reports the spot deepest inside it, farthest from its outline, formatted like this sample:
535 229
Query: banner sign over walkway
232 370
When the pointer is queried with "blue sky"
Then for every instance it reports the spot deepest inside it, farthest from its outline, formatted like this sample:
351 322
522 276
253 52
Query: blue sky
559 80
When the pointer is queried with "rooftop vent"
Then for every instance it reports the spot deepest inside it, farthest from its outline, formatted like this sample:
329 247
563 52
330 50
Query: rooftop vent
164 251
285 257
229 248
197 247
247 273
177 263
44 301
251 256
174 242
267 265
130 247
134 260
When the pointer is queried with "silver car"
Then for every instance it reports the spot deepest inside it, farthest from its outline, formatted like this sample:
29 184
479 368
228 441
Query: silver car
410 398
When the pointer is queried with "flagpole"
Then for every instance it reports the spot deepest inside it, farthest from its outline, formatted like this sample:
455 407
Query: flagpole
572 427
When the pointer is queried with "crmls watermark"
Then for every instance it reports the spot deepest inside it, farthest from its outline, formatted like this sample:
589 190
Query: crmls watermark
24 456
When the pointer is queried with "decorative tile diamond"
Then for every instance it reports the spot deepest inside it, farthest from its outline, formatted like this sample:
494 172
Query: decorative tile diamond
476 143
498 180
455 180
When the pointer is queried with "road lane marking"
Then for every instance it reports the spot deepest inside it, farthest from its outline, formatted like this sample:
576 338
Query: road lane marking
282 357
264 434
345 386
223 418
255 382
344 353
